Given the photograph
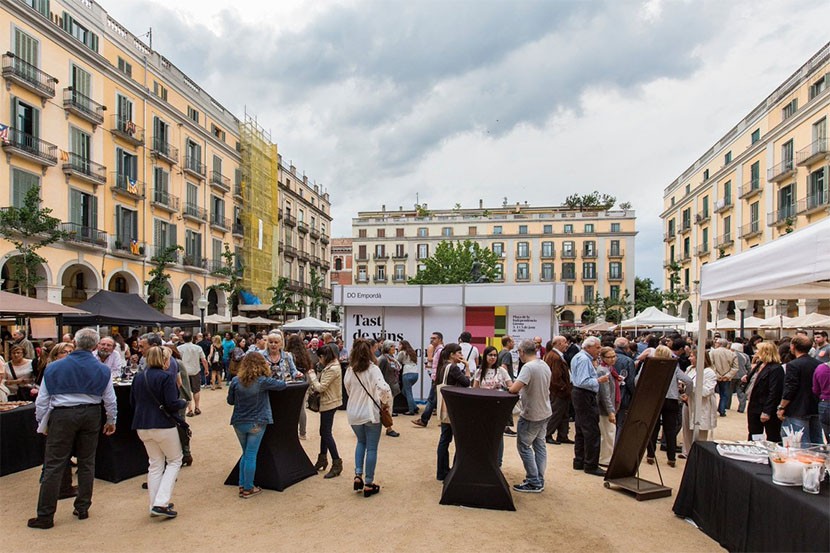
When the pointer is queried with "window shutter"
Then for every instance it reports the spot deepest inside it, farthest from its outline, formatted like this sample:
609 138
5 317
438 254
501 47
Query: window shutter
67 22
75 207
93 42
93 211
172 239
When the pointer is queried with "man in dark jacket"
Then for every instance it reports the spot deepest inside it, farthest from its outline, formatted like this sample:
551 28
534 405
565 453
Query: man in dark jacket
560 392
799 407
625 368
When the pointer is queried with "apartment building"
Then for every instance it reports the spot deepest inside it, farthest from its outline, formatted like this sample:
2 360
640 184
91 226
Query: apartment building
305 216
767 176
342 264
129 153
591 251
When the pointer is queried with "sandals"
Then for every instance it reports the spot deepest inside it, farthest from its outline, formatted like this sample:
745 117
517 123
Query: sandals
198 411
190 413
370 489
256 490
358 483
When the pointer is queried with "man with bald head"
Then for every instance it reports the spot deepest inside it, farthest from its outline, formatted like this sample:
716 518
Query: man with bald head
109 356
560 392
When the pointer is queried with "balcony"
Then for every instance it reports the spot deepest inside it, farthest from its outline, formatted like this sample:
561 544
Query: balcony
668 236
303 255
615 277
315 233
84 236
15 70
685 257
399 278
816 151
781 172
238 229
381 256
687 226
547 278
589 276
750 189
362 279
702 250
127 248
723 241
324 238
667 263
194 167
219 222
76 103
164 200
568 276
784 215
522 254
127 130
163 150
616 254
127 186
158 249
525 277
290 251
568 254
215 265
194 213
750 230
220 182
589 254
380 279
724 204
399 256
294 285
30 147
289 220
701 218
548 254
325 264
85 169
194 261
237 191
818 200
302 227
361 257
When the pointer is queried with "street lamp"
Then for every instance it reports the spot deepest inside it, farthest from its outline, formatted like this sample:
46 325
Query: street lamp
202 304
742 306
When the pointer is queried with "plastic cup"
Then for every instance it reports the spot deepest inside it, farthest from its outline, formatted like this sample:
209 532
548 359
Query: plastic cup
811 478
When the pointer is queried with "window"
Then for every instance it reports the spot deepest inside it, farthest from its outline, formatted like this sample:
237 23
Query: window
569 293
361 274
568 249
161 135
522 229
689 189
399 251
615 292
687 218
589 293
81 33
301 216
756 136
547 229
25 118
686 277
754 216
615 270
497 229
81 87
522 271
523 250
217 209
193 159
338 263
615 248
818 87
671 254
164 236
615 227
789 110
787 155
217 250
217 133
423 232
705 175
83 210
400 272
192 198
361 233
192 114
381 233
687 247
161 186
361 252
568 271
22 182
547 272
79 145
498 248
589 270
126 167
671 227
727 192
41 6
423 251
380 251
126 225
380 273
547 249
160 90
499 272
755 175
589 248
589 228
817 189
472 231
705 240
217 167
446 231
399 233
705 209
727 158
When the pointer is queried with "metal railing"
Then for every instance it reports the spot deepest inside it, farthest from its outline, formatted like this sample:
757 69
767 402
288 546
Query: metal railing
84 235
31 146
194 260
815 151
219 221
753 228
125 184
784 214
615 276
289 220
238 229
723 240
616 253
568 254
164 199
194 166
124 245
780 171
83 167
194 211
163 149
749 189
302 227
220 181
82 106
127 129
26 74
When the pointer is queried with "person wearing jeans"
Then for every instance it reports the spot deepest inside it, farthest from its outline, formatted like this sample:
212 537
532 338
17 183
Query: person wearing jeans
451 375
533 384
248 393
409 361
799 406
821 389
367 391
329 386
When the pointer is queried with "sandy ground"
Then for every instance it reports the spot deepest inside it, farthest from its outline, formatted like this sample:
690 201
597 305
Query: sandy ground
575 512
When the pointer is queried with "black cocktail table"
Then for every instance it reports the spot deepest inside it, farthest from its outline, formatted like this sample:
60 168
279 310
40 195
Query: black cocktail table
21 447
122 455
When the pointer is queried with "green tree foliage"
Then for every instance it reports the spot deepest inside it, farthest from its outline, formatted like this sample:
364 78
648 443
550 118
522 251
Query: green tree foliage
158 286
282 300
608 308
593 201
452 263
675 295
646 294
29 228
232 271
316 302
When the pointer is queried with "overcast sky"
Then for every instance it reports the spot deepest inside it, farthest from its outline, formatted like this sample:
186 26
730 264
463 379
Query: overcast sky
466 100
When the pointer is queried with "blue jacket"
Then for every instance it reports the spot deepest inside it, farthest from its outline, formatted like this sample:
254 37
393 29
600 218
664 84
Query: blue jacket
146 411
80 372
251 403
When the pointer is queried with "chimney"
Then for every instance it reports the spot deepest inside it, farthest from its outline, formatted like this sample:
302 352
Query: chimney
383 208
400 208
292 169
305 180
481 204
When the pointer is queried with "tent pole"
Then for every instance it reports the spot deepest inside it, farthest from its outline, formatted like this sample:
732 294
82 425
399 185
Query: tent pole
703 313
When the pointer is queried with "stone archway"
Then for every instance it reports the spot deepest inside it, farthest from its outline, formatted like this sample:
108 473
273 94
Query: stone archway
124 282
567 318
586 317
686 311
189 295
80 282
10 284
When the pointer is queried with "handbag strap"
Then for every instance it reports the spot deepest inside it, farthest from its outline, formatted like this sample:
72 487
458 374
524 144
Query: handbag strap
367 391
155 399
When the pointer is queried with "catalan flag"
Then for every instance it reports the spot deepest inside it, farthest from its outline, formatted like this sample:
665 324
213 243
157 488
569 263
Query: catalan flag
4 134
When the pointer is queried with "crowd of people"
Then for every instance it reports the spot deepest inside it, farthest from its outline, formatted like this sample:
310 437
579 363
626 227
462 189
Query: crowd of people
588 381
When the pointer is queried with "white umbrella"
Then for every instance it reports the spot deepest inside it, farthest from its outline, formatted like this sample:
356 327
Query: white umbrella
813 320
311 324
188 317
262 321
776 321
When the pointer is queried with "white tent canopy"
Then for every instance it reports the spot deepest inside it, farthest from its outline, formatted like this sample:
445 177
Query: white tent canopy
310 324
812 320
651 316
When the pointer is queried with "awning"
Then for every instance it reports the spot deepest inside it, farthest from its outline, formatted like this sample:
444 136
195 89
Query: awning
15 305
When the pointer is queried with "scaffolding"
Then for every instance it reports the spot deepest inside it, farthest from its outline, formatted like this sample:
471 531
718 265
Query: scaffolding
261 208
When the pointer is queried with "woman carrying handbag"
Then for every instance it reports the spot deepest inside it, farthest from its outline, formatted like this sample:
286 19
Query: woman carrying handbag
329 387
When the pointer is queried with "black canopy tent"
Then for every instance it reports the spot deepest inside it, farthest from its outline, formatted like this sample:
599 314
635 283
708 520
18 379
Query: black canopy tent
116 308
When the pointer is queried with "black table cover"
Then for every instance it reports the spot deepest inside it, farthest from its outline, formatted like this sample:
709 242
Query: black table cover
736 504
21 447
281 460
122 455
477 417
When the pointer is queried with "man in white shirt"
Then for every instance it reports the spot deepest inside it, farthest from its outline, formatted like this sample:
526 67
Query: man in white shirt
468 350
109 356
192 357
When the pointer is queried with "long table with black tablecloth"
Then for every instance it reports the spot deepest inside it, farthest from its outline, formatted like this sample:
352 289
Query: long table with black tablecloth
21 447
737 504
477 417
281 460
122 455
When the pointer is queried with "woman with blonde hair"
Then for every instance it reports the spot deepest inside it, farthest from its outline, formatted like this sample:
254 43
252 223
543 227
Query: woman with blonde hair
248 393
708 405
764 388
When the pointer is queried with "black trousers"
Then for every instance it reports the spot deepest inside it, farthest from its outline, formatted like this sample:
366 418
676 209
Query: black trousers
558 421
326 437
669 415
586 421
76 429
772 427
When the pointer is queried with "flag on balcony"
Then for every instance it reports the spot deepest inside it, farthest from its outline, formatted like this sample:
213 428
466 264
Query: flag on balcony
64 155
4 134
134 247
130 128
132 187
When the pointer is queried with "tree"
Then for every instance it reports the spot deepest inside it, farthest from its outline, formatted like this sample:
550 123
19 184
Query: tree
158 286
232 271
29 228
646 294
454 263
282 300
593 201
675 295
317 304
619 309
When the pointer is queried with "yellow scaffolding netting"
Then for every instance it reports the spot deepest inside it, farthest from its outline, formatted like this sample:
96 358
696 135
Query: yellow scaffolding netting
261 206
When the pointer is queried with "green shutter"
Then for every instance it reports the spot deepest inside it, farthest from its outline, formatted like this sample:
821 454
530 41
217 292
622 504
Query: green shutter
172 239
76 207
93 41
93 211
67 22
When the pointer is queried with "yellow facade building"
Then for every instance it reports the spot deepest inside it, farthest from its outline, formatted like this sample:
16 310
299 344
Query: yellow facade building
766 177
129 153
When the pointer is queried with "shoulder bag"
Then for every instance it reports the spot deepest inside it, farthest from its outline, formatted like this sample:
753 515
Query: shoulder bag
443 414
177 420
385 413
